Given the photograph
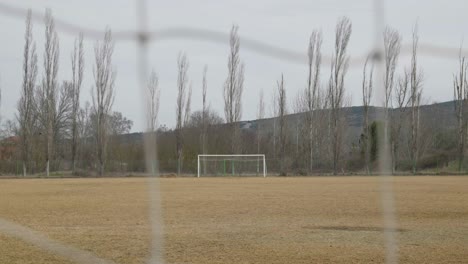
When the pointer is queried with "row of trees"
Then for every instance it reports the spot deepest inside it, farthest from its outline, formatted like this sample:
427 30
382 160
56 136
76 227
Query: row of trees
313 140
323 130
49 112
232 94
406 92
320 128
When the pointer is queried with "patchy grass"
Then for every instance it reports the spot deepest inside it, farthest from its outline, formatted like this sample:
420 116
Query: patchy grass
240 220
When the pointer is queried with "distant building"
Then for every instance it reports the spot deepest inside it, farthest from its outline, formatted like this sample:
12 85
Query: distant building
248 125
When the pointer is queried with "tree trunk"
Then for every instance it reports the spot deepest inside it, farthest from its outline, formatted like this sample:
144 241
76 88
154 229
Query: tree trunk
74 166
101 169
311 142
366 140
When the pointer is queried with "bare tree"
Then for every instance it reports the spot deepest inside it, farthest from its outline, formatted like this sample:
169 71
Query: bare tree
204 113
212 118
274 113
9 128
154 94
181 106
367 87
188 106
460 92
53 111
282 111
323 127
103 94
401 97
415 98
299 107
152 111
49 85
339 67
77 60
313 85
233 88
61 121
26 103
260 116
119 124
204 126
392 43
85 133
317 131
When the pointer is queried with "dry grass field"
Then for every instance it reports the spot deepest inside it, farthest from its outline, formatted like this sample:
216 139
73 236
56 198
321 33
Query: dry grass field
239 220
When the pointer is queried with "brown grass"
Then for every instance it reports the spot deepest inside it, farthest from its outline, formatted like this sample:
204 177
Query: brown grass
240 220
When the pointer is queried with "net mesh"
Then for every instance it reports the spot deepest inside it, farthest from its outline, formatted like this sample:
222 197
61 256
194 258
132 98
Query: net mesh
219 166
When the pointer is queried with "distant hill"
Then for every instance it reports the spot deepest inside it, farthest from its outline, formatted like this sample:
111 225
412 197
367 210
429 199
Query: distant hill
442 113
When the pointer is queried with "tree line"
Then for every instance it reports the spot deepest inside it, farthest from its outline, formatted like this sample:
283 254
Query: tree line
56 131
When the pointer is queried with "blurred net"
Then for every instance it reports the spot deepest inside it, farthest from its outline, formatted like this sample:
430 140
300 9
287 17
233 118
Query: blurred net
241 165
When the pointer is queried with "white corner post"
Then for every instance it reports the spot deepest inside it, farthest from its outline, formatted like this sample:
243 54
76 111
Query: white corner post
264 167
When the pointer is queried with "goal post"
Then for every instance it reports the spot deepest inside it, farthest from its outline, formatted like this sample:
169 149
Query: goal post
231 164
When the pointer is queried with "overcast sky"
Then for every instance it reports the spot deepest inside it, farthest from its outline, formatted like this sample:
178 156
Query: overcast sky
285 24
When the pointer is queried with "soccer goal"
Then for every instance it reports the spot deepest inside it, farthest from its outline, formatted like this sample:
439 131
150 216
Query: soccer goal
231 165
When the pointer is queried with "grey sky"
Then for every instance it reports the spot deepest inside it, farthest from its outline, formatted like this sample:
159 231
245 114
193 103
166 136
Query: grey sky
285 24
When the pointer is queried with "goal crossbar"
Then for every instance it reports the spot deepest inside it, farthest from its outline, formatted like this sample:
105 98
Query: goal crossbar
261 156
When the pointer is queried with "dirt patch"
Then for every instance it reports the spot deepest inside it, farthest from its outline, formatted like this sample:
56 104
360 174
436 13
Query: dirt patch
352 228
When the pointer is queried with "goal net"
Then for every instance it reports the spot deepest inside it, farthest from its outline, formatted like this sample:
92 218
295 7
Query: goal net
231 165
